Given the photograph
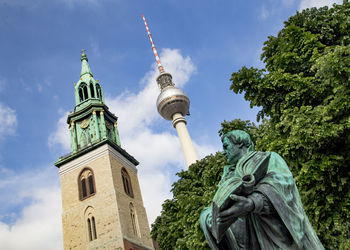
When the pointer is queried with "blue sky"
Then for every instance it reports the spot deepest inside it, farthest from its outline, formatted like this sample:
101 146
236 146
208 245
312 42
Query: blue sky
200 42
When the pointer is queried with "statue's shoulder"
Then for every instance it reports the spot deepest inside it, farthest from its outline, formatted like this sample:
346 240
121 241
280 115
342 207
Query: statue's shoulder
254 156
270 154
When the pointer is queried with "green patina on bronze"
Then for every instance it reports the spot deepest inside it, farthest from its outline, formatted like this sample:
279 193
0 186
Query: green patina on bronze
91 122
263 211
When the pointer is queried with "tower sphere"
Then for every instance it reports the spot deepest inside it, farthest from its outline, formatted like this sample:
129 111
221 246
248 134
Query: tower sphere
171 101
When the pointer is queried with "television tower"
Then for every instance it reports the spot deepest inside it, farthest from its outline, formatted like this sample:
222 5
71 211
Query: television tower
173 104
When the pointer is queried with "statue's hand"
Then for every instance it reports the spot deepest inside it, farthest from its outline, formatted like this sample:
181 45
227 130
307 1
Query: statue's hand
241 207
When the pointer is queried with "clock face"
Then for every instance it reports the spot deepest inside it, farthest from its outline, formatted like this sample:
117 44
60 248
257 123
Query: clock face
85 123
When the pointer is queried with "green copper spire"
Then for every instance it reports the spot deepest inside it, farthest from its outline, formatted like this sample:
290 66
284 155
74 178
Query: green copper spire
85 69
87 90
91 122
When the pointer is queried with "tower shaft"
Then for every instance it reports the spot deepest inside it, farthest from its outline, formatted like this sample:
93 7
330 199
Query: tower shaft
179 123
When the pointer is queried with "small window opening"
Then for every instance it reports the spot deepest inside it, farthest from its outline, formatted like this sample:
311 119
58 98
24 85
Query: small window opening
134 224
83 185
81 97
127 183
86 96
92 90
91 185
89 228
98 91
94 228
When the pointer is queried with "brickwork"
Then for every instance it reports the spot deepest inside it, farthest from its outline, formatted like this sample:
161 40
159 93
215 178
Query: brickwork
110 205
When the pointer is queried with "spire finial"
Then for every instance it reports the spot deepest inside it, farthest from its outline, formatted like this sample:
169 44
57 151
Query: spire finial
160 67
85 69
83 55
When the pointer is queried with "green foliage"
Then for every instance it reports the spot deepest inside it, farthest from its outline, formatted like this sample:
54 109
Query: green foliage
304 95
178 225
305 92
246 126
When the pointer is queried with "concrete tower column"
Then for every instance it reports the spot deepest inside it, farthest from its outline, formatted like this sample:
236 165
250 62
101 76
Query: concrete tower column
179 123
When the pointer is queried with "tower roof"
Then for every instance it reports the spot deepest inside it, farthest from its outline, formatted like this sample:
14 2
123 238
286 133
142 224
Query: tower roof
87 89
85 68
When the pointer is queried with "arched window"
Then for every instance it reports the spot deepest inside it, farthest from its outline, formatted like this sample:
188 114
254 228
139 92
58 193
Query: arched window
86 183
135 225
127 183
91 228
98 91
90 223
94 234
83 92
81 95
92 90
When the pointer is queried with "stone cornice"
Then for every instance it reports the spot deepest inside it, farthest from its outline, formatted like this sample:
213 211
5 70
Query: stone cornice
94 154
118 152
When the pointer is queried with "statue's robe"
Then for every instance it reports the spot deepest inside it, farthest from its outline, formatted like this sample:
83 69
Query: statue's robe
278 220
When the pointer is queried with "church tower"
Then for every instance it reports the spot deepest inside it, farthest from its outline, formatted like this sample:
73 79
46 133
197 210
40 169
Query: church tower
101 197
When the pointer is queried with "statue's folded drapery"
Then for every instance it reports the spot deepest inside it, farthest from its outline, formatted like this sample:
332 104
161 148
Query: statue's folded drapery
278 220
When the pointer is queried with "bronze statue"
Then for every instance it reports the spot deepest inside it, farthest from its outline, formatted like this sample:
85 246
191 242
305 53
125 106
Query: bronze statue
257 204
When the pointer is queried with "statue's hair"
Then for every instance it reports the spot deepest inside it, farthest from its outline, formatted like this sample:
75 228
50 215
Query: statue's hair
238 137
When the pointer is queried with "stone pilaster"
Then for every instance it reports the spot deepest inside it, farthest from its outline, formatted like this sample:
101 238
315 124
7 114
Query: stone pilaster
117 140
73 136
98 136
103 124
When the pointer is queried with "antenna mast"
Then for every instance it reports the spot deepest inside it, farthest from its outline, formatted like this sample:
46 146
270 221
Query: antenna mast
160 67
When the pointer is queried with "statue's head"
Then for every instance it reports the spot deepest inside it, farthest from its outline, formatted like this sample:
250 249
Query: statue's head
236 143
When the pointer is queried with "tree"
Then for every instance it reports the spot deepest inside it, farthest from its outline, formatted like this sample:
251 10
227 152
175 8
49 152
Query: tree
305 93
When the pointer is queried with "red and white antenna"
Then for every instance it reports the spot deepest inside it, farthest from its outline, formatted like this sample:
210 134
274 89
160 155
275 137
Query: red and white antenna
160 67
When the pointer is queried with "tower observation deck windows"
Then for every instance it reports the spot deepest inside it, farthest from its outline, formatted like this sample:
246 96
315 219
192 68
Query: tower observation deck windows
127 183
86 184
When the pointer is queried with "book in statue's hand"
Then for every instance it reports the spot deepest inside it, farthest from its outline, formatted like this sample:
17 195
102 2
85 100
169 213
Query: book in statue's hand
247 175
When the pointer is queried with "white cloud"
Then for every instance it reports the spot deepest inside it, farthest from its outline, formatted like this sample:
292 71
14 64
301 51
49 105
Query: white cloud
61 135
271 7
38 224
8 121
264 13
304 4
158 152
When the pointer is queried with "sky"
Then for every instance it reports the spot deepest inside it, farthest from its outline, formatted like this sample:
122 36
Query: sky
200 43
